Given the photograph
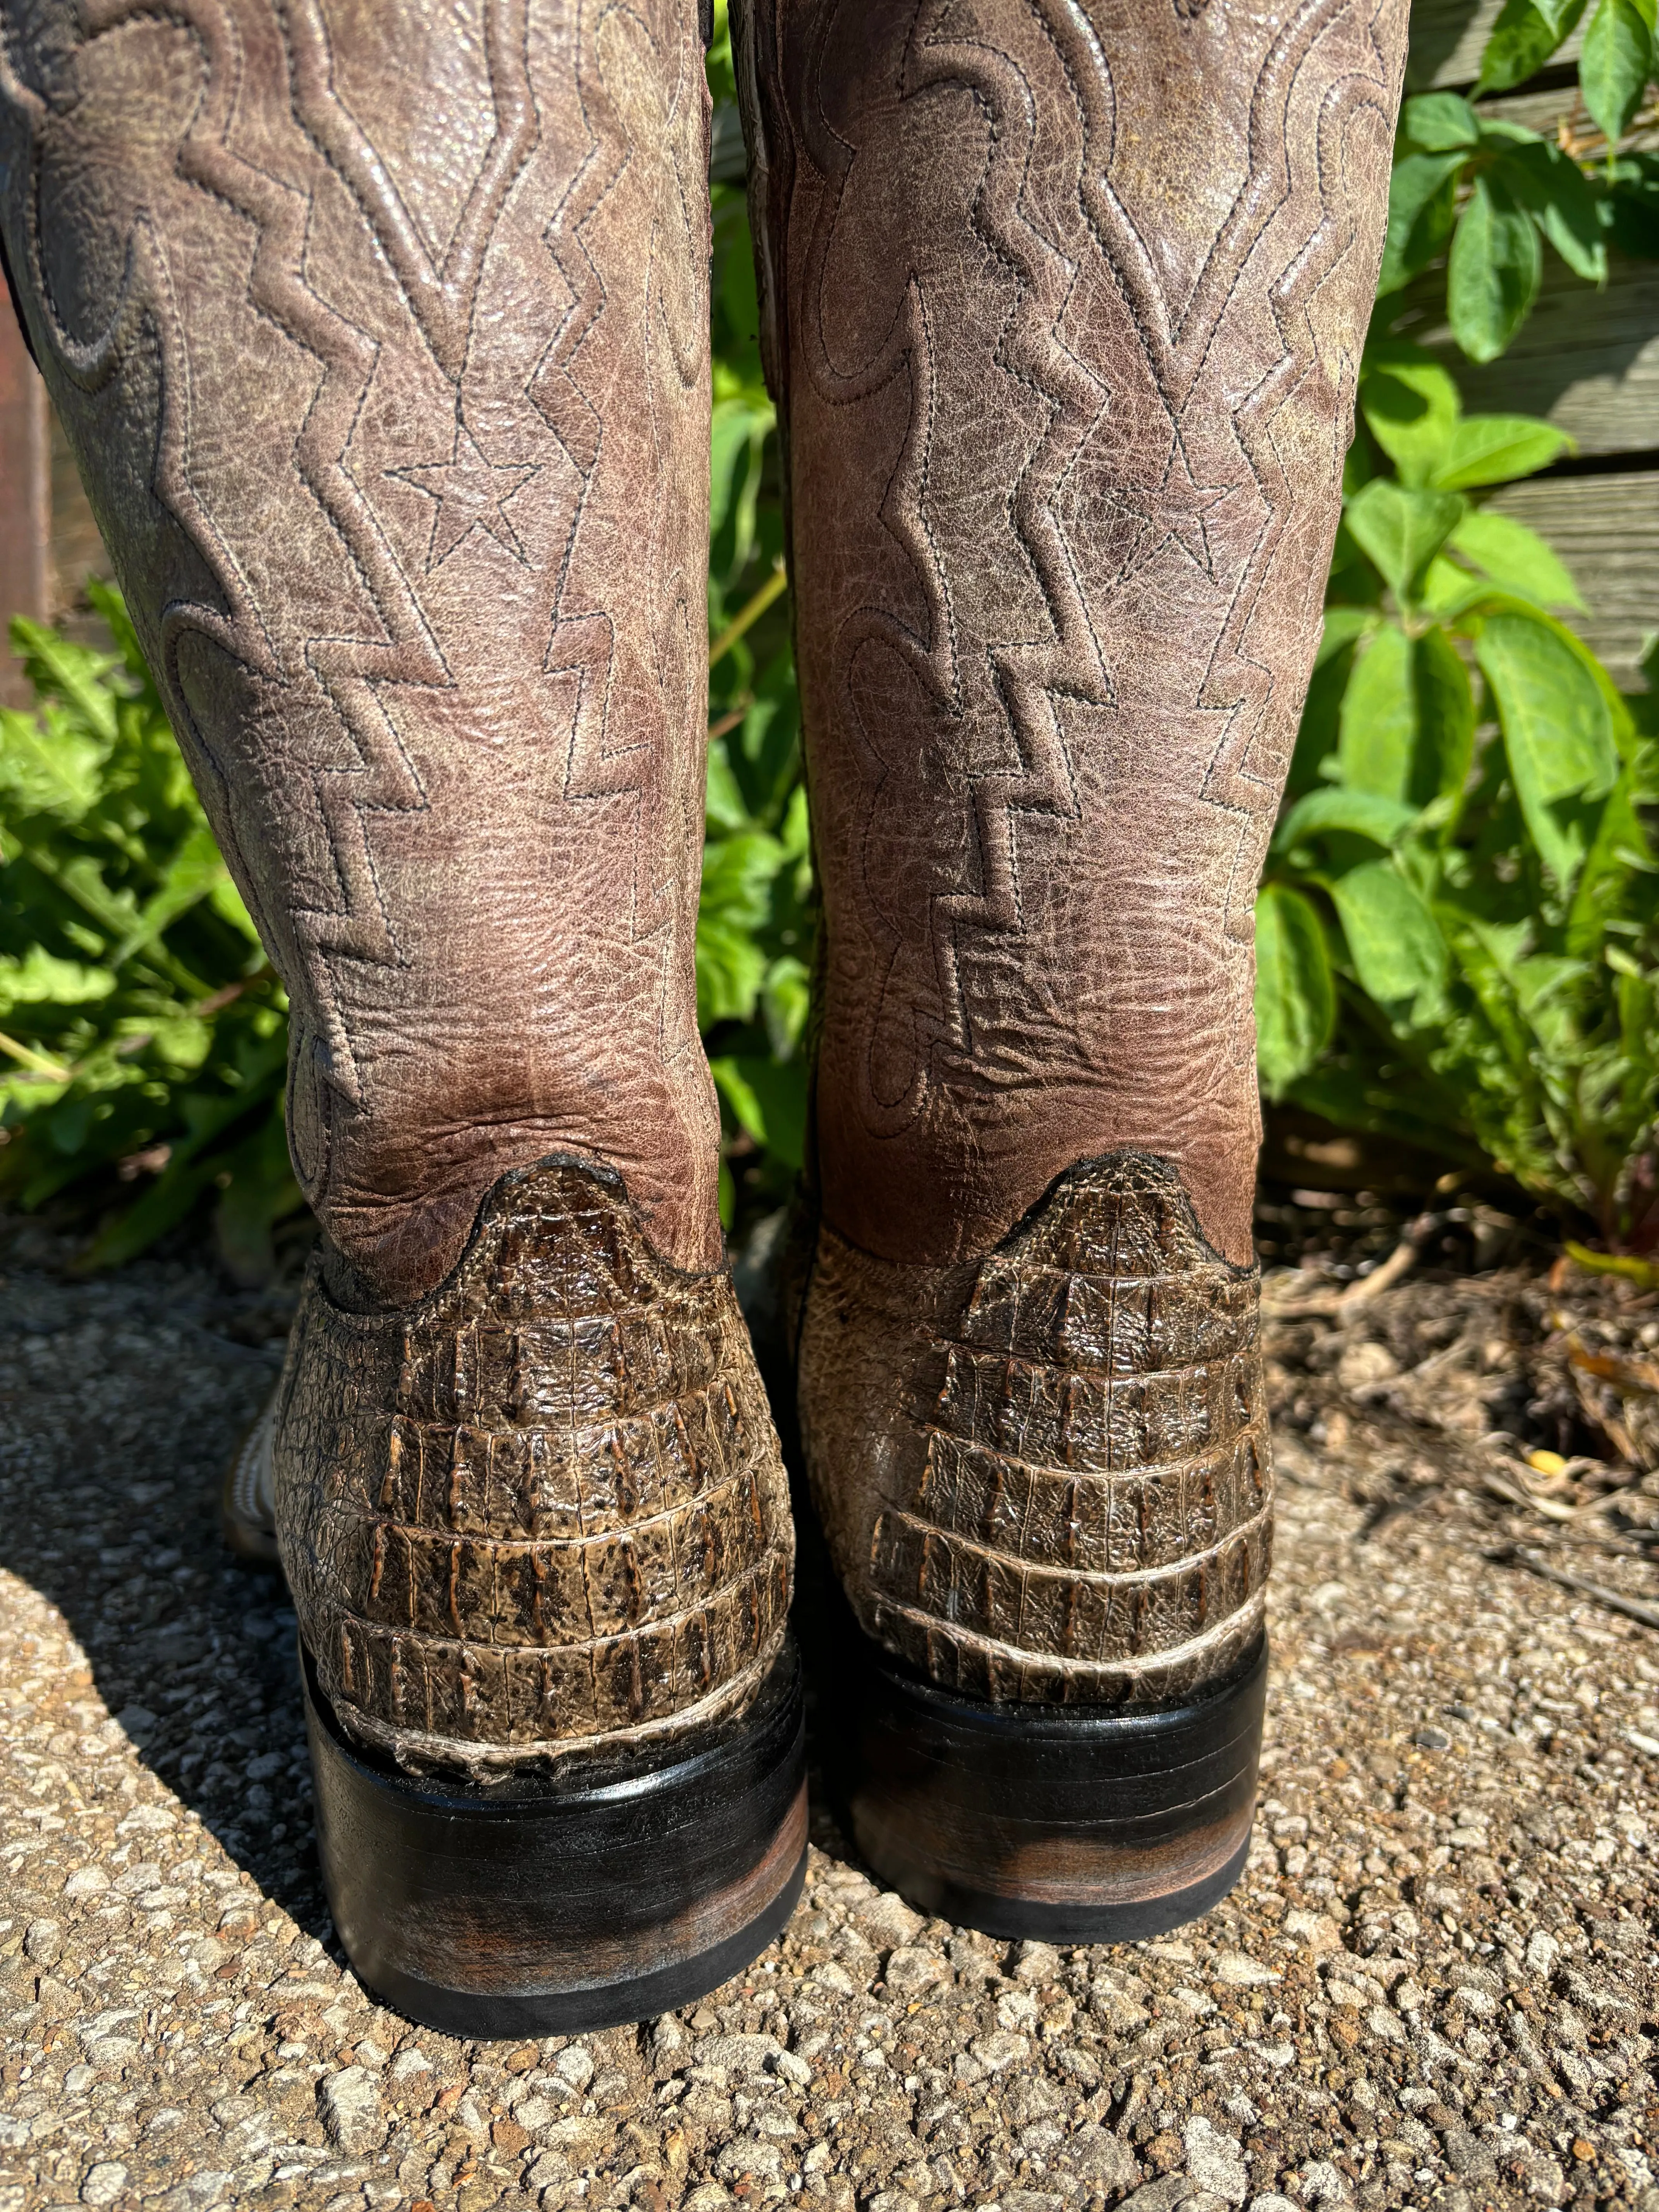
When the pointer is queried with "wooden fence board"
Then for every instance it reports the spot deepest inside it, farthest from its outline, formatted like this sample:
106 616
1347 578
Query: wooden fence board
1588 361
75 551
23 498
1447 39
1606 531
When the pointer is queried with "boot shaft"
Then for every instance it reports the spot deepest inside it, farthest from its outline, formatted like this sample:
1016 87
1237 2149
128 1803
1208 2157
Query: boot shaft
383 350
1063 307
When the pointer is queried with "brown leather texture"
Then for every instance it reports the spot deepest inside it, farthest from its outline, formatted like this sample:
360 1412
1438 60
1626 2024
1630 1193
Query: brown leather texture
1062 301
380 337
1045 1475
541 1512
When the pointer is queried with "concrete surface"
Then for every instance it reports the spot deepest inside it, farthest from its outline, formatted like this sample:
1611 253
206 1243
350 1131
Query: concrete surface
1434 1985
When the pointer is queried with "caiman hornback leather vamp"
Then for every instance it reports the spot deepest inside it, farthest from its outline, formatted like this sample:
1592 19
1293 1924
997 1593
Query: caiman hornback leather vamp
1045 1483
538 1535
1062 303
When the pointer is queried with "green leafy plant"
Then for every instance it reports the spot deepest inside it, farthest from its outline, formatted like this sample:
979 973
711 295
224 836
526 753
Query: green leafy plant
1458 929
756 921
140 1025
1488 194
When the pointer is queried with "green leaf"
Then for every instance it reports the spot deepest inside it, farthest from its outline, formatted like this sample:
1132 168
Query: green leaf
57 773
1402 530
738 430
1342 627
1379 722
1554 191
786 1003
768 1100
1493 272
1422 209
1631 208
1438 121
194 872
58 668
731 969
1490 449
1445 720
1522 41
1408 720
1394 941
1411 407
737 901
1620 853
182 1041
1316 735
1447 589
1516 558
40 978
1356 814
724 806
1558 731
227 903
1617 62
1295 991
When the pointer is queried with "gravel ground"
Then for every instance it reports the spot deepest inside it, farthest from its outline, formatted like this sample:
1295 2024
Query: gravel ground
1434 1985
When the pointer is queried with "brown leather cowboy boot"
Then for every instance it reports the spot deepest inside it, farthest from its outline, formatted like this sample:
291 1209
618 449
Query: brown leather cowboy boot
383 347
1062 300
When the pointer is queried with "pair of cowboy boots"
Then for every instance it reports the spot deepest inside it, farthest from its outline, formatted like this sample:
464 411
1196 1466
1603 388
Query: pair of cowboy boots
381 338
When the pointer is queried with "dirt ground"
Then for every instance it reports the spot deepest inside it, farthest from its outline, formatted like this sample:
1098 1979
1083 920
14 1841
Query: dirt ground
1435 1984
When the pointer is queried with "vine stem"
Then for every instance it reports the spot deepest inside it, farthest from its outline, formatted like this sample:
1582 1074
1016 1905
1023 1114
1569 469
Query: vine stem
748 615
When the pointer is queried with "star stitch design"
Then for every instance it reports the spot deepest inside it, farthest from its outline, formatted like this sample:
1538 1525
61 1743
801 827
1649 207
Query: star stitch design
1170 517
471 493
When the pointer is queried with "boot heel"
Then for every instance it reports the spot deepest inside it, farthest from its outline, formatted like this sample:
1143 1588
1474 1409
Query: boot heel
1067 1824
552 1908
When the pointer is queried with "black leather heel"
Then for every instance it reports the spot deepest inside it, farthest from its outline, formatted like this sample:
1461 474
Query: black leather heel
1068 1823
540 1908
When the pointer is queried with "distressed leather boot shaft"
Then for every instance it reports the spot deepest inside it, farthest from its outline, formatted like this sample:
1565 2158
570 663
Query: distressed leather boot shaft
382 342
1063 305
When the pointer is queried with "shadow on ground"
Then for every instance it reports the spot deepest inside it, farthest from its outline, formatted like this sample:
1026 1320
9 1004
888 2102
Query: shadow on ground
119 1436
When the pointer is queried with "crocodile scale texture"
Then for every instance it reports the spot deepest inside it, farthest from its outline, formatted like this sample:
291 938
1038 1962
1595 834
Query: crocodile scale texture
1047 1476
541 1512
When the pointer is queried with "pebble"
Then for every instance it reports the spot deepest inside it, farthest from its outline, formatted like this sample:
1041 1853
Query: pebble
1429 1987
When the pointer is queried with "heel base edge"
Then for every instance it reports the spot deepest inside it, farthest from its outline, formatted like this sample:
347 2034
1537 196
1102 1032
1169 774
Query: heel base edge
577 1906
470 2017
1080 1825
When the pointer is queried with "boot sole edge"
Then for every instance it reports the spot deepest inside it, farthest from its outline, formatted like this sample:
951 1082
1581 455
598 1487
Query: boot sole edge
577 1905
1049 1823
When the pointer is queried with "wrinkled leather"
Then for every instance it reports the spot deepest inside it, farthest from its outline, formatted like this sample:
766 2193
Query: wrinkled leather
1045 1475
1062 301
541 1512
380 338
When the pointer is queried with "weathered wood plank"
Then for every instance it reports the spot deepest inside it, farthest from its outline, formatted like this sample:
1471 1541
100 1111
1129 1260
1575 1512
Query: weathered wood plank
75 549
1447 39
1606 531
23 497
1588 361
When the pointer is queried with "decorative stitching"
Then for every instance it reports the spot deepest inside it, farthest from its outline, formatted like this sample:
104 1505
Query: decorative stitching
1176 337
